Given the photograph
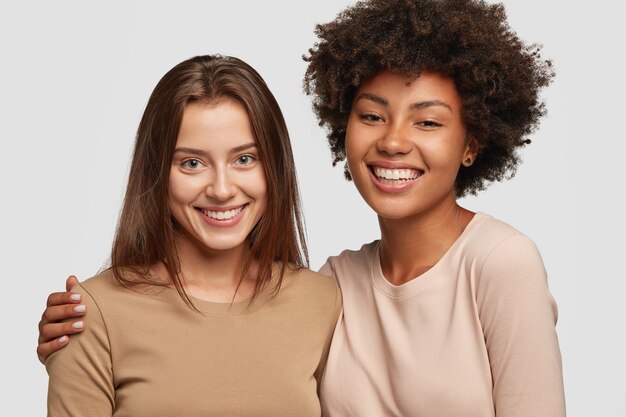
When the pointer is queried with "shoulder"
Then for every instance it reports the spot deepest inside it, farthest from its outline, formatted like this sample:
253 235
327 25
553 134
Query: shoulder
97 293
487 231
104 282
101 287
311 281
94 340
492 240
504 255
312 287
106 294
350 259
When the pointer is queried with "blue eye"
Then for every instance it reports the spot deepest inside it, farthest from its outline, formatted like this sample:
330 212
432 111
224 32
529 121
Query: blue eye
191 164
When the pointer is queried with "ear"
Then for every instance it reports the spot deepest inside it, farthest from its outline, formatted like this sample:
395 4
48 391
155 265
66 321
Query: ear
470 153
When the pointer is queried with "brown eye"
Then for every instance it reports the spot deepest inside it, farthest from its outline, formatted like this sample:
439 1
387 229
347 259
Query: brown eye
245 160
370 117
429 123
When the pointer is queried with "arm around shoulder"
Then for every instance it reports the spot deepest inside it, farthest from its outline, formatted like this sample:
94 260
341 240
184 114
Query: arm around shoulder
518 316
80 375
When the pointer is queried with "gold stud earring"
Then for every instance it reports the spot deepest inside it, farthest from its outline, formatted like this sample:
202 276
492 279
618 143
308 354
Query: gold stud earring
467 161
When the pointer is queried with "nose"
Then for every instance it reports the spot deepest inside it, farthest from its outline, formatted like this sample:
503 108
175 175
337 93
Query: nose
221 186
394 142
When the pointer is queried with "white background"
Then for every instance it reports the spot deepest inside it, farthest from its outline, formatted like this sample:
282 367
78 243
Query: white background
74 81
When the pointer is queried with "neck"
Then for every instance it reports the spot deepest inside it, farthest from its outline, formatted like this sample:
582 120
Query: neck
411 246
213 275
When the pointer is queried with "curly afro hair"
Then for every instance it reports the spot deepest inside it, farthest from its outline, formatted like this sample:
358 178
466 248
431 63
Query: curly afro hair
497 76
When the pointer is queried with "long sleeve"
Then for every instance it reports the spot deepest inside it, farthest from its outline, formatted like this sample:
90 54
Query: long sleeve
336 311
81 377
518 315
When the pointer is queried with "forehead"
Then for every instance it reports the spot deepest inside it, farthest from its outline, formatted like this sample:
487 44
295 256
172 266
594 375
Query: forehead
222 122
399 88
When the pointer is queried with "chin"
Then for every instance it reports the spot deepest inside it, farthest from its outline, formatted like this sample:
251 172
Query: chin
224 244
391 212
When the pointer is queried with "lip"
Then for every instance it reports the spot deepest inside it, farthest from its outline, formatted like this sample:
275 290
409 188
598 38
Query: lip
222 223
392 165
394 187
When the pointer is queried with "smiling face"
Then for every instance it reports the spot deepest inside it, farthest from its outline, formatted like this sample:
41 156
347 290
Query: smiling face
217 185
405 143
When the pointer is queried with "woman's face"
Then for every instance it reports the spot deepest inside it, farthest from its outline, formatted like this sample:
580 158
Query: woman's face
217 185
405 143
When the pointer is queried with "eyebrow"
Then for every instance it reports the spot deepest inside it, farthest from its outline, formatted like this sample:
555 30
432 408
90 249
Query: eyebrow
244 147
416 106
430 103
372 97
200 152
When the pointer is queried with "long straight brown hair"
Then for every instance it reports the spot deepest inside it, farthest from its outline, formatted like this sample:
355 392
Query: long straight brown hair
146 231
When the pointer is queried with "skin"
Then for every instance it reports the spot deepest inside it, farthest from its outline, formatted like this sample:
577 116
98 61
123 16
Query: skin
216 173
216 170
412 128
53 334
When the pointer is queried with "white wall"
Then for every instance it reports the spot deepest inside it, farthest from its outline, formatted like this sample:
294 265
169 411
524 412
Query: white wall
75 77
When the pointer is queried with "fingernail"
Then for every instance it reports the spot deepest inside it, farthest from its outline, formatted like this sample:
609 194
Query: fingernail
77 325
80 308
75 297
62 339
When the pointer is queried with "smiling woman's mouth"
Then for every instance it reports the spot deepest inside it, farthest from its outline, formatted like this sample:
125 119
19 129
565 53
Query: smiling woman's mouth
222 215
396 175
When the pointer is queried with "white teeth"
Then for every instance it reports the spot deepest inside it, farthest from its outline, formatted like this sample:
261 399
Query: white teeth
396 174
222 215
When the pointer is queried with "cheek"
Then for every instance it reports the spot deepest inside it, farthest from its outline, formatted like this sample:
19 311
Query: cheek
256 185
442 153
183 188
355 144
176 188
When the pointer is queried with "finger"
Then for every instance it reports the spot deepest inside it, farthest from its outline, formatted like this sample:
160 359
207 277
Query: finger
60 298
45 349
59 313
70 282
52 331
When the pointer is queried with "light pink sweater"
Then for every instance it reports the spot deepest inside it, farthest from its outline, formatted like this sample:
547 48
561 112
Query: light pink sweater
472 337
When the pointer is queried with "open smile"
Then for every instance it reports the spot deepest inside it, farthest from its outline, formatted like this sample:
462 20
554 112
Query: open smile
394 179
391 175
222 217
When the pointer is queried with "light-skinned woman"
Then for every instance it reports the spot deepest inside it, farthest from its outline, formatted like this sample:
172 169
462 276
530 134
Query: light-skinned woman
207 308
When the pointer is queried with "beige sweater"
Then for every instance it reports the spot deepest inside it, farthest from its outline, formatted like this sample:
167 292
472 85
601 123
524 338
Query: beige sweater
147 354
472 337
